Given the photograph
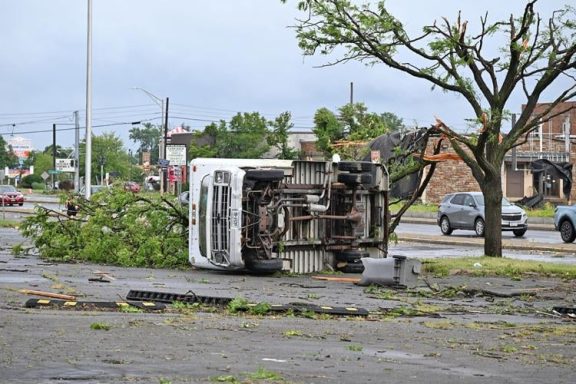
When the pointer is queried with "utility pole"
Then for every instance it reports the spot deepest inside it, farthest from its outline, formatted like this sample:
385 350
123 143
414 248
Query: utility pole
101 162
77 152
514 155
351 93
53 154
88 171
164 125
166 142
567 136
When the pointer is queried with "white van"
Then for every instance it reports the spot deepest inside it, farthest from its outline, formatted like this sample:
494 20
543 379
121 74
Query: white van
266 215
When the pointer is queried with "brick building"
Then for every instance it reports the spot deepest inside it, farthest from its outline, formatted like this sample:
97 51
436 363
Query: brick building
552 141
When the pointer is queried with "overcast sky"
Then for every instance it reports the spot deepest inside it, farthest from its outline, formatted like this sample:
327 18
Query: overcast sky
211 58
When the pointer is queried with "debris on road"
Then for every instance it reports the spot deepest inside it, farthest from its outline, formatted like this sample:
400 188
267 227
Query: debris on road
565 311
190 298
91 305
47 294
395 271
13 270
99 279
338 279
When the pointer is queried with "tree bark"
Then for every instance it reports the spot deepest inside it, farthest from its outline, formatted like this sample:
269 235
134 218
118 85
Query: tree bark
492 189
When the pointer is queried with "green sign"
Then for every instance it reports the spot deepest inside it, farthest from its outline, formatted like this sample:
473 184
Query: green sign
54 171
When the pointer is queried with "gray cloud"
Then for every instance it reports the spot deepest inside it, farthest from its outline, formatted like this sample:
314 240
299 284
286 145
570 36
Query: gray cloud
212 58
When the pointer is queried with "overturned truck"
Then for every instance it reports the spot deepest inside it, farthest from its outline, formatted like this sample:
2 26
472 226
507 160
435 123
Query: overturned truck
266 215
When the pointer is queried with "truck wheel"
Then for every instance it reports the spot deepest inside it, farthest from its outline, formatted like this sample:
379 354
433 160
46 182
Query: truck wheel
355 166
355 178
264 267
352 268
350 255
567 232
519 232
265 174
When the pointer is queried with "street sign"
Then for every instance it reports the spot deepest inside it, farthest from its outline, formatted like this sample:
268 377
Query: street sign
44 176
65 165
54 171
176 154
163 163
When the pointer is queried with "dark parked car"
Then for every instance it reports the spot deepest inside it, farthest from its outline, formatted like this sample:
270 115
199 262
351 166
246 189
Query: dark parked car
9 195
465 210
565 222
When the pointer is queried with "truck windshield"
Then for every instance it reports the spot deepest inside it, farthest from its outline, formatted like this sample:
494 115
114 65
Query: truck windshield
202 210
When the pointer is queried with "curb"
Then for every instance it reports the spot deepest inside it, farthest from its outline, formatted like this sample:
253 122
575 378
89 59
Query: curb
479 242
540 225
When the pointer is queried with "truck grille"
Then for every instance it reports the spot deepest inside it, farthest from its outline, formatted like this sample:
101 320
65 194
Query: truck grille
511 217
220 226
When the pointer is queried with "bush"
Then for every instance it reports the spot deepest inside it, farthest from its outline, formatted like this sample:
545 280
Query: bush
39 186
29 180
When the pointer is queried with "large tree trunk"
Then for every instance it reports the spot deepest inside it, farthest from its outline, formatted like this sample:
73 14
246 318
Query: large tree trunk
492 189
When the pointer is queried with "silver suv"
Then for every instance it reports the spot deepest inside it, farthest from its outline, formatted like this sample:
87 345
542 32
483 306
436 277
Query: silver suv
465 210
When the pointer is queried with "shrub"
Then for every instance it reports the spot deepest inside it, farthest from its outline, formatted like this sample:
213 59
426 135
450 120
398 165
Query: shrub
39 186
29 180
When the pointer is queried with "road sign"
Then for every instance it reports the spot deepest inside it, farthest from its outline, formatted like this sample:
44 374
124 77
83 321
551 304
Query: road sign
44 176
176 154
65 165
163 163
54 171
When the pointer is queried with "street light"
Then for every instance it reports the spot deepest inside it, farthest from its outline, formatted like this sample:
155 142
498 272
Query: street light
88 170
164 125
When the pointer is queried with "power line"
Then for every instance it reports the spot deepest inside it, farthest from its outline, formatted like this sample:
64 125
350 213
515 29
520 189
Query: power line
73 128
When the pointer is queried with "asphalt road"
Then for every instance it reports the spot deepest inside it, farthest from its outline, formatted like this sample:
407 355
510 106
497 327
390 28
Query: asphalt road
457 329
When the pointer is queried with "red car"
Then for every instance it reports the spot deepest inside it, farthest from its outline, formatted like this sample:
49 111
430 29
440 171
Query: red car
10 196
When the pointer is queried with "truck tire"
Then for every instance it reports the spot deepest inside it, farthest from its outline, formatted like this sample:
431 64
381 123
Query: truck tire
357 267
355 166
265 174
264 267
350 255
355 178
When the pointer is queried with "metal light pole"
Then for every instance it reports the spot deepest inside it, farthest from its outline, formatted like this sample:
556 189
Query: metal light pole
164 128
88 167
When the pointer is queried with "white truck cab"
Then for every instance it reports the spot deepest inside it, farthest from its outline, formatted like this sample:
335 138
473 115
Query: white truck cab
266 215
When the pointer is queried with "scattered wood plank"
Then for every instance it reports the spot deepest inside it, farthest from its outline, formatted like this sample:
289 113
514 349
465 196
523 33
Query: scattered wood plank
338 279
104 275
48 294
